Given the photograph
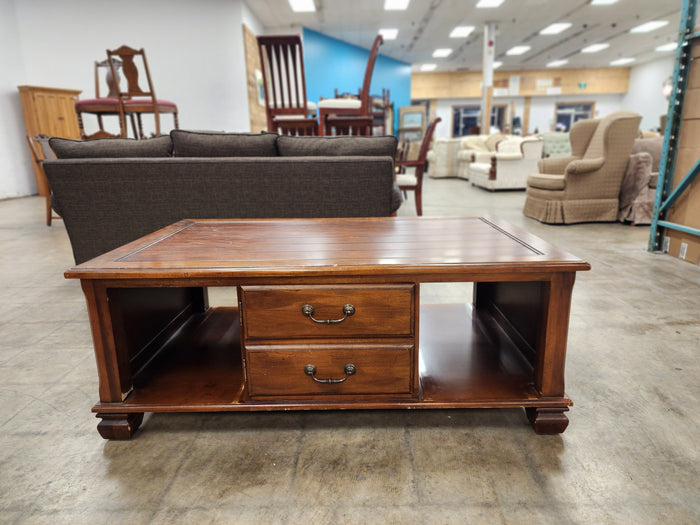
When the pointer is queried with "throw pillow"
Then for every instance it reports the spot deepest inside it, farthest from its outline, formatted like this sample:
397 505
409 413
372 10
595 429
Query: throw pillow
215 144
110 148
380 146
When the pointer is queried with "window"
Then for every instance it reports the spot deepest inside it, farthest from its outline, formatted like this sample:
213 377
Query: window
567 114
465 118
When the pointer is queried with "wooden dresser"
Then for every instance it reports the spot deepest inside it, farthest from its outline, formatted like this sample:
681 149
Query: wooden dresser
50 111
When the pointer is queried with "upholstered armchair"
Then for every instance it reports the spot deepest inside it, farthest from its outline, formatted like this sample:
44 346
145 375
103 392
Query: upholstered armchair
509 167
556 144
638 190
442 158
585 186
476 148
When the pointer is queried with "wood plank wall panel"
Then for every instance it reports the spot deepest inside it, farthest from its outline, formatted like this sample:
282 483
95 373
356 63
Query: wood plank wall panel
467 84
256 112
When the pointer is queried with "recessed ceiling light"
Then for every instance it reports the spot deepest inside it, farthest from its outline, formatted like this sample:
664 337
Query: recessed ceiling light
518 50
395 5
667 47
302 6
442 53
497 64
554 29
461 31
603 2
428 67
595 48
557 63
649 26
621 61
389 34
489 3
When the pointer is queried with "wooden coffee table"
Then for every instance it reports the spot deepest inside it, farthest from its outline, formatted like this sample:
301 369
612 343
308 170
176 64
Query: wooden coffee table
329 317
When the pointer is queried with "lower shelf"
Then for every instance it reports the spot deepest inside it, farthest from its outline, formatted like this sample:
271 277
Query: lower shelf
466 360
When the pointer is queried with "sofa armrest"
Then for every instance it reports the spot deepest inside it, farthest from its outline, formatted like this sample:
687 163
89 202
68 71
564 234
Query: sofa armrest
579 167
554 165
507 156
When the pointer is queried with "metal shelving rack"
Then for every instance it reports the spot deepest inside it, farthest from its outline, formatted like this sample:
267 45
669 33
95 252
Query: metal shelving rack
666 195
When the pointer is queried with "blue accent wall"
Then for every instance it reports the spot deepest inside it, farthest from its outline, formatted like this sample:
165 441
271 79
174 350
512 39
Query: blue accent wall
330 63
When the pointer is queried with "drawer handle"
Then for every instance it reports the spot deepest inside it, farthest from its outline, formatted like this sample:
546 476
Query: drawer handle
350 369
308 311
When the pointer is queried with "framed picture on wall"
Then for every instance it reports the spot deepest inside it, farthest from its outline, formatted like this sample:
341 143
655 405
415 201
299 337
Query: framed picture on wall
412 119
414 135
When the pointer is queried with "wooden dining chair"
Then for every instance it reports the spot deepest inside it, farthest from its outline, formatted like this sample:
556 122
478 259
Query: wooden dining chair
133 99
350 116
39 146
102 106
282 63
408 181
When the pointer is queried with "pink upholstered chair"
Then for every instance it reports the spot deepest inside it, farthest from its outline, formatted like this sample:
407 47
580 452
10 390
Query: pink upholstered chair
133 99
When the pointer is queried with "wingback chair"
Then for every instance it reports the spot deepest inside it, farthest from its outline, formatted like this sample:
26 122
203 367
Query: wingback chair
585 186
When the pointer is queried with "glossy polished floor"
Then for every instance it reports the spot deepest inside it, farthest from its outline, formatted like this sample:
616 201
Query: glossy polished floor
629 456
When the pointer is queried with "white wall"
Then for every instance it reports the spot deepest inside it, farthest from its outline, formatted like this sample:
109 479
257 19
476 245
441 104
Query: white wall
645 92
194 48
16 175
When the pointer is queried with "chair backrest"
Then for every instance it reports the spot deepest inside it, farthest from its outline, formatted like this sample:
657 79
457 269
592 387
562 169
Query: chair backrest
133 63
614 135
282 63
369 70
427 139
40 148
111 81
580 135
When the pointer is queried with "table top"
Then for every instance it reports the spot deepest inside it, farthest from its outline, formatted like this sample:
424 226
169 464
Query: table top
463 247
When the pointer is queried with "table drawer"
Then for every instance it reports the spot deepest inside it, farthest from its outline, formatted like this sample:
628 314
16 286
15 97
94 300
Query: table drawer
277 312
277 371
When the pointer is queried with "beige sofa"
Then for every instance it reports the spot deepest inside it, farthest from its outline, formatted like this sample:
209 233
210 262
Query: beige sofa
509 167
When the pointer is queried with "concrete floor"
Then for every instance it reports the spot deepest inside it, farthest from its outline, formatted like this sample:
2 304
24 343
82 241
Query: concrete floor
630 454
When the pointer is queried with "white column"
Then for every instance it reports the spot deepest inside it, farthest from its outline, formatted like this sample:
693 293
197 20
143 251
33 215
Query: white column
487 80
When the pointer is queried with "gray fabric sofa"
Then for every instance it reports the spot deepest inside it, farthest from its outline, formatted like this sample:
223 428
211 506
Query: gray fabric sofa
112 191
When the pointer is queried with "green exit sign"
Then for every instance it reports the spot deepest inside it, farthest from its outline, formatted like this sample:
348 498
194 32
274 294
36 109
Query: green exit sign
582 85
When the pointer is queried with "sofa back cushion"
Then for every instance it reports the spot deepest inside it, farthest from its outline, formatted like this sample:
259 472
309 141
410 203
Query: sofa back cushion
215 144
382 146
111 148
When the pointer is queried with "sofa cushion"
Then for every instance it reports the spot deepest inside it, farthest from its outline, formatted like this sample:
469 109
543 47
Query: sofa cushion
216 144
289 146
546 182
110 148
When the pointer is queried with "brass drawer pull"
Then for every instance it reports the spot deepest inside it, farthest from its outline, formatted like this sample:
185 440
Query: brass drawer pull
308 311
350 369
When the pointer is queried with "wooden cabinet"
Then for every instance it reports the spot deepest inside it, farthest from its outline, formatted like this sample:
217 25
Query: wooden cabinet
50 111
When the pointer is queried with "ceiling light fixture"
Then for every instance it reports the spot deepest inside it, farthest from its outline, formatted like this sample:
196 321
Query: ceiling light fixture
487 4
442 53
555 29
302 6
461 31
595 48
389 34
395 5
603 2
557 63
518 50
649 26
428 67
621 61
497 64
671 46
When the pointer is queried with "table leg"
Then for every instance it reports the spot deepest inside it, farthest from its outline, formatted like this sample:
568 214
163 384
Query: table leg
119 426
548 420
